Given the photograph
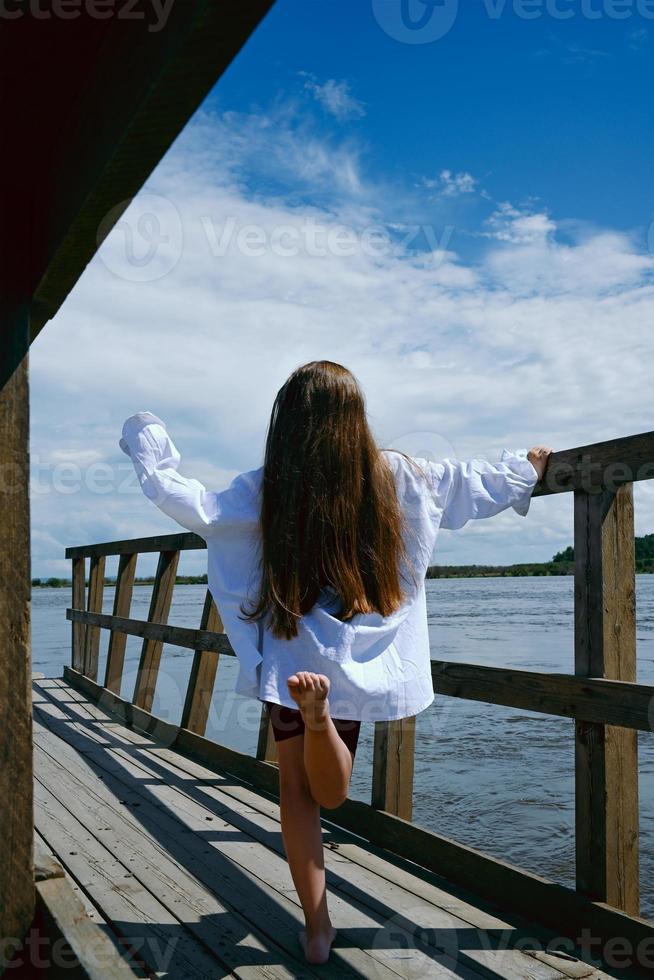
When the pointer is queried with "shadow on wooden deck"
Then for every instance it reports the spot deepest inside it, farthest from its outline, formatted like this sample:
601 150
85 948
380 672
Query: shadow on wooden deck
184 869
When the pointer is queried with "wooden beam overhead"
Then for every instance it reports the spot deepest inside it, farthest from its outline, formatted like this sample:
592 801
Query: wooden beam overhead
89 107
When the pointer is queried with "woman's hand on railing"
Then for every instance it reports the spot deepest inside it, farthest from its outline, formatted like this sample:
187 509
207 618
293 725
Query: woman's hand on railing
539 456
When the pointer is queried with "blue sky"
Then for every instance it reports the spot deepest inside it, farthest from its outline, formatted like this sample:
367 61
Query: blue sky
548 108
464 222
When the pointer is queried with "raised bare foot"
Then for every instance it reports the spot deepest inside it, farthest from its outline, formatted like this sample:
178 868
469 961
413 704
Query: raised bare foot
318 947
309 691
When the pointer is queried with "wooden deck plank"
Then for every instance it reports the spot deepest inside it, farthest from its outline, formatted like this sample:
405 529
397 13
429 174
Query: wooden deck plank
91 910
359 879
91 950
110 820
388 868
486 951
569 914
140 917
247 876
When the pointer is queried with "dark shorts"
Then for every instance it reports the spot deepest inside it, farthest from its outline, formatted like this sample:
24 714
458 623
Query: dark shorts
287 722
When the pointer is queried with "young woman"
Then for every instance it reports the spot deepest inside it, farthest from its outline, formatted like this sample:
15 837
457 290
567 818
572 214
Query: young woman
316 562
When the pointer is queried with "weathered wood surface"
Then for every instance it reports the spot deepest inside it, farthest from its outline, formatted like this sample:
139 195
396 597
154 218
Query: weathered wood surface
16 884
122 605
199 692
180 636
191 861
186 541
596 699
266 745
78 599
61 916
456 865
147 80
94 605
392 766
603 464
162 597
606 757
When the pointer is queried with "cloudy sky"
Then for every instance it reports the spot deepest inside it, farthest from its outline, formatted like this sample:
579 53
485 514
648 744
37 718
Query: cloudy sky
463 219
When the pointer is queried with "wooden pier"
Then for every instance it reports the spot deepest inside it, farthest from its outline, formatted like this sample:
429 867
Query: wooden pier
158 852
183 865
169 835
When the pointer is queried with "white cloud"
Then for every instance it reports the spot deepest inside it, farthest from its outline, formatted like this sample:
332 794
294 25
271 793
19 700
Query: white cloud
510 224
449 184
336 98
538 340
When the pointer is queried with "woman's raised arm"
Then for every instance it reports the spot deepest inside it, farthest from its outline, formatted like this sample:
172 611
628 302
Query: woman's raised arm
473 489
146 441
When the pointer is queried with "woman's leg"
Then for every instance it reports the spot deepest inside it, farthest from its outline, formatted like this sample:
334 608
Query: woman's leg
302 835
327 759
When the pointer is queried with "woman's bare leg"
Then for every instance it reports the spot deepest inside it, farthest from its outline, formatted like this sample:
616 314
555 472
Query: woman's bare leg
302 835
327 759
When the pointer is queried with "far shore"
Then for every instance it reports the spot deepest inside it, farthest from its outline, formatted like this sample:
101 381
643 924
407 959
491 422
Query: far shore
434 571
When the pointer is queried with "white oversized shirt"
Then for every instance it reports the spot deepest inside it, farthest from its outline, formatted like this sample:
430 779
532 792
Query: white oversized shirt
379 667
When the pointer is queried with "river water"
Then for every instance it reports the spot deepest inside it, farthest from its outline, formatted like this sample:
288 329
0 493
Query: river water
495 778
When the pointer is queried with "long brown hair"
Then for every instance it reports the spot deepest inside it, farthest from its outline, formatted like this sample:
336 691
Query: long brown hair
329 509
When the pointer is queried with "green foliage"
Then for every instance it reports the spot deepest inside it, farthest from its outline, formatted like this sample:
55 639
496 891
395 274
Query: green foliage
561 564
567 555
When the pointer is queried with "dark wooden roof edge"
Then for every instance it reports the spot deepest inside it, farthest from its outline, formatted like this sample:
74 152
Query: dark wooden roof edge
215 34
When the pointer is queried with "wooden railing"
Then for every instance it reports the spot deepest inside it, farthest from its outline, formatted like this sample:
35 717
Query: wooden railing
602 696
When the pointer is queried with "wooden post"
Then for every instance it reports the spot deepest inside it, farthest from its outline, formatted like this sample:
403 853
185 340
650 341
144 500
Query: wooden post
203 674
16 808
78 632
162 596
122 605
392 767
266 745
606 757
92 633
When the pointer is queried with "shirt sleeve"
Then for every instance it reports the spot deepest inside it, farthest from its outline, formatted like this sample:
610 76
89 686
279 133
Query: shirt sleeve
156 460
473 489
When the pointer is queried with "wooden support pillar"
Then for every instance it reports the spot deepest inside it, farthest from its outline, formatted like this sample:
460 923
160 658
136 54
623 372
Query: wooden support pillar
162 597
16 808
606 757
392 768
203 674
266 744
94 604
122 606
78 633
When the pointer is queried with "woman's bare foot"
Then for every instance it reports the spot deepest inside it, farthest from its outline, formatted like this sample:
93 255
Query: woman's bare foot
309 691
318 948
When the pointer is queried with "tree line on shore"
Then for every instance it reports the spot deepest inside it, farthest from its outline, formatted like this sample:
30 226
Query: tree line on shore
561 564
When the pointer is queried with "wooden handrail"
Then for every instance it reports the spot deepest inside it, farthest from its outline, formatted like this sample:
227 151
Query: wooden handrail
602 696
600 465
179 636
595 699
186 541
